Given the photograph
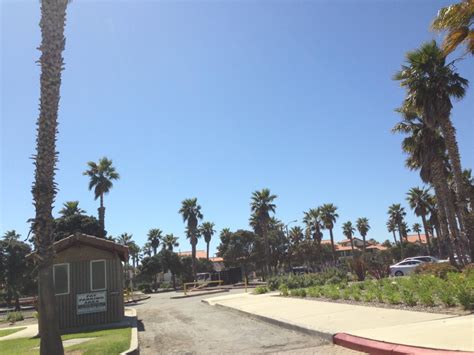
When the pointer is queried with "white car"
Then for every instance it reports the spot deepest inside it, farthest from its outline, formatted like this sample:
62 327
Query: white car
404 267
425 259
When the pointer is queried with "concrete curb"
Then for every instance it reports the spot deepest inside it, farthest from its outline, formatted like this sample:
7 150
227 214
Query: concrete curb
198 294
383 348
283 324
134 346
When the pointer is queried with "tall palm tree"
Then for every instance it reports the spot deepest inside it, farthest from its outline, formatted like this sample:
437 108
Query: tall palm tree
458 21
392 228
328 214
348 231
397 214
426 152
261 205
312 220
71 208
207 231
170 242
296 235
154 237
363 227
125 239
52 23
191 212
102 175
430 85
418 200
417 229
134 252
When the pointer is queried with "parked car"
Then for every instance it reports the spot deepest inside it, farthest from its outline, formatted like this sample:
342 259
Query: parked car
404 267
425 259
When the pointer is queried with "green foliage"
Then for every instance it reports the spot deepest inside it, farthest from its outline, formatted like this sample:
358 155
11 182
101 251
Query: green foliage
15 317
260 290
5 332
145 288
283 290
408 297
76 223
298 292
439 270
331 276
468 270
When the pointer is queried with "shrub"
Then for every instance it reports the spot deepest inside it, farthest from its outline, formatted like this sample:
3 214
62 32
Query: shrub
14 317
408 297
393 297
347 293
358 266
145 288
314 291
298 292
260 290
283 290
468 270
440 270
369 296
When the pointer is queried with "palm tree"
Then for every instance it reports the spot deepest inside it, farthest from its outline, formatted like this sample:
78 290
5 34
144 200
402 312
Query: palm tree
296 235
71 208
392 227
417 229
418 200
124 239
52 23
134 250
102 175
363 227
154 237
207 230
313 221
169 242
457 21
348 231
147 249
430 85
191 213
426 152
397 214
261 206
328 214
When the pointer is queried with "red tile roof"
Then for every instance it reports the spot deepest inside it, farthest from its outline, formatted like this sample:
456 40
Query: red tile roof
216 259
377 246
413 238
200 254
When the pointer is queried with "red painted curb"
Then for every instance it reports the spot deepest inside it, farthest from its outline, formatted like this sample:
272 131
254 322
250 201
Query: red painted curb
376 347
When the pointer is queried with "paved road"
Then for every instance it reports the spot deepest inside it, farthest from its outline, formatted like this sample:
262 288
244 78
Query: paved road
178 326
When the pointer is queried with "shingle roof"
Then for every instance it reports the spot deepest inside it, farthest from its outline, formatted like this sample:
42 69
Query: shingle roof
413 238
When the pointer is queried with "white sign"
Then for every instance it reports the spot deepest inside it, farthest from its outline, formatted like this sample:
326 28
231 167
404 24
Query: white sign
91 302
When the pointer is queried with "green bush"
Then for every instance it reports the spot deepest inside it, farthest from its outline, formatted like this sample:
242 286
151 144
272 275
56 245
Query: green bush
408 297
440 270
314 291
330 276
468 270
298 292
14 317
145 288
283 290
260 290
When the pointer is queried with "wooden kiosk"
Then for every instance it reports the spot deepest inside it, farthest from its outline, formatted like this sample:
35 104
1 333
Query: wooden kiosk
88 279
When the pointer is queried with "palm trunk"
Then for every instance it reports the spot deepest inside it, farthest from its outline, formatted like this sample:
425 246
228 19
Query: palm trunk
267 251
332 246
454 158
427 234
439 182
352 247
419 238
394 237
53 17
400 235
101 210
363 247
193 255
207 250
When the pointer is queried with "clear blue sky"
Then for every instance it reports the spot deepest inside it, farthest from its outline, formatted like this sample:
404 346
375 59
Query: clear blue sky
215 100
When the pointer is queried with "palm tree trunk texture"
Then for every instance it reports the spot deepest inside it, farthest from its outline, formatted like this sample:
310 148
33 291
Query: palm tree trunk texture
438 180
363 247
207 250
101 210
267 252
427 234
400 235
53 17
193 255
454 157
394 237
333 249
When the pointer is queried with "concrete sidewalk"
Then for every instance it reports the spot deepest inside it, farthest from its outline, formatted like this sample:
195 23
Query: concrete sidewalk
416 329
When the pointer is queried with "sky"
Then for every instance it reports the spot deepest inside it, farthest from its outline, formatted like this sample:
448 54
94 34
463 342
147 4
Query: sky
217 99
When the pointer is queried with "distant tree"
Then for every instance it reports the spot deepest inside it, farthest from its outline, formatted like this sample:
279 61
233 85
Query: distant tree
417 229
191 212
363 227
76 223
314 224
392 228
207 231
171 261
15 269
418 199
134 251
154 237
328 217
102 175
71 208
348 231
147 249
261 206
170 242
